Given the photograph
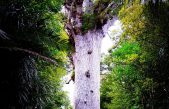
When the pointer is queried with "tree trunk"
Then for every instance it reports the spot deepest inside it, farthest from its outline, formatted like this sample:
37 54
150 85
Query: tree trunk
87 70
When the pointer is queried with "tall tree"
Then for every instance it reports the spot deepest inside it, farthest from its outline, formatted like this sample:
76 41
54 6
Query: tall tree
84 23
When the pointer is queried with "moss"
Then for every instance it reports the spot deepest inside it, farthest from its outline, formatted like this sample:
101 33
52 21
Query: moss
89 21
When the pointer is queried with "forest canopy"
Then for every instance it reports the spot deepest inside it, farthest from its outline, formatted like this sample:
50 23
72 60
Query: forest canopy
139 76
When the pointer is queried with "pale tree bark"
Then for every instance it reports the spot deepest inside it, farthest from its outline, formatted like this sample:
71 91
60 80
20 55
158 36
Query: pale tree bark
86 58
87 70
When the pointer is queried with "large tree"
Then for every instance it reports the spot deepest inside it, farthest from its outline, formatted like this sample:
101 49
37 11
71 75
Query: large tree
84 24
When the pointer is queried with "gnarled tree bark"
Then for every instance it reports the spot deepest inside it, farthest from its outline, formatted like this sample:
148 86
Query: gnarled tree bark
87 70
86 58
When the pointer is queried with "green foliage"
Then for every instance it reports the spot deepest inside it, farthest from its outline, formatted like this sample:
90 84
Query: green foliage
127 53
35 26
51 94
140 64
101 12
125 81
129 16
89 21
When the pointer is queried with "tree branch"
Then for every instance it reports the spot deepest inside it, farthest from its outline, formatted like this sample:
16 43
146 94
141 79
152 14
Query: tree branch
32 53
74 18
3 35
104 12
